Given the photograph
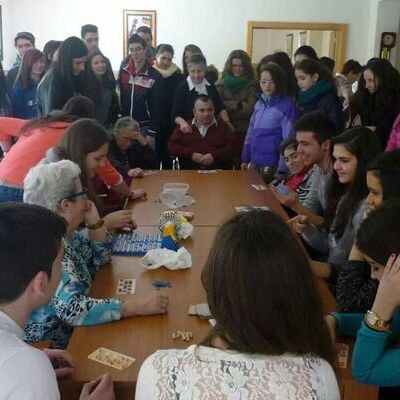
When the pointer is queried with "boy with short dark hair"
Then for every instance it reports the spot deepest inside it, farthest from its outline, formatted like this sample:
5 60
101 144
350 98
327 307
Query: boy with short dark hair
141 91
31 249
90 35
314 132
23 41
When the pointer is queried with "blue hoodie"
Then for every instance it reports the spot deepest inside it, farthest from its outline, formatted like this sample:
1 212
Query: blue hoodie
23 101
271 123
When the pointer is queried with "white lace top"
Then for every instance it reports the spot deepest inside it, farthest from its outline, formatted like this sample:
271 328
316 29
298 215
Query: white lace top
204 373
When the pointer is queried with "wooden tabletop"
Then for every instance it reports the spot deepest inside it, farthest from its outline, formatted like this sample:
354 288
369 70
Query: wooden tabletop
141 336
216 194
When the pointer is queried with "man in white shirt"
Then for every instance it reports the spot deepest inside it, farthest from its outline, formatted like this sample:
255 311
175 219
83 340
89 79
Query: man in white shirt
30 269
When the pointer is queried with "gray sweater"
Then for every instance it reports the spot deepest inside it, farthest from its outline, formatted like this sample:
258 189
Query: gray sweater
338 248
316 197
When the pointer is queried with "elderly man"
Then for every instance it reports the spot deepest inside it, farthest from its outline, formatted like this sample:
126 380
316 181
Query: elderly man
208 145
129 152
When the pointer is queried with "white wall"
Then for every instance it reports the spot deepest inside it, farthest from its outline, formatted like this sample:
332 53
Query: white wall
8 45
217 26
388 21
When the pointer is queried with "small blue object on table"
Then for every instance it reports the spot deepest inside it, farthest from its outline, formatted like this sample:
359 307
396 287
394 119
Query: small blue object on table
161 284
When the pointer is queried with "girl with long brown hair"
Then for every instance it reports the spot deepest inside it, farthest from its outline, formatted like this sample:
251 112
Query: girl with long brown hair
269 340
23 93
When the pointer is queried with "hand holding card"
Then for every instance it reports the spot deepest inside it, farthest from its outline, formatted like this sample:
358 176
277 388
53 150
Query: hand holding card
101 388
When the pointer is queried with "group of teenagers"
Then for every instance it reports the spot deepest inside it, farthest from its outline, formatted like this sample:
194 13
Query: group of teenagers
328 154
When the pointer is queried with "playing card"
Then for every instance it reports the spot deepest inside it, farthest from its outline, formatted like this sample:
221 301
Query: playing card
126 286
203 310
259 187
250 208
192 310
207 171
150 172
187 214
283 189
111 358
342 354
200 309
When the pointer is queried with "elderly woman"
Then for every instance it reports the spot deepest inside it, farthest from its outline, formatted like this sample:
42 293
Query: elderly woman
57 186
129 151
188 90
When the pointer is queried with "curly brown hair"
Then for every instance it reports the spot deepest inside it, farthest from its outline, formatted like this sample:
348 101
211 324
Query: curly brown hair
246 63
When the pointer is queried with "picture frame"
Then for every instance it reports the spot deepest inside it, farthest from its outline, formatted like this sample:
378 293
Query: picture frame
133 19
1 33
289 44
302 38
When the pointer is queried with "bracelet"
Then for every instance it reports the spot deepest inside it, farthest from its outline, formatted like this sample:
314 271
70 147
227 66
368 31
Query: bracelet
332 314
97 225
375 322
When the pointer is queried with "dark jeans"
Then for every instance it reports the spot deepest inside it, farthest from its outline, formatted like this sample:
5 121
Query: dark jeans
11 194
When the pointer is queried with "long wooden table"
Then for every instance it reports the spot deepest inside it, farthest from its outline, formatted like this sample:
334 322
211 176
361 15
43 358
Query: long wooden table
216 196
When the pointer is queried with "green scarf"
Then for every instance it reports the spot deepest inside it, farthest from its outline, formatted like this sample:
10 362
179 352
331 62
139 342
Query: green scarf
315 92
235 84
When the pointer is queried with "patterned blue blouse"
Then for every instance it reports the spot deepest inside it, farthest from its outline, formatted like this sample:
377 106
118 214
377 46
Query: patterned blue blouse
71 306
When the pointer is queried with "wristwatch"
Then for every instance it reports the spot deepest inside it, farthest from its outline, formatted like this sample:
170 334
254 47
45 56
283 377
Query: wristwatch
97 225
375 322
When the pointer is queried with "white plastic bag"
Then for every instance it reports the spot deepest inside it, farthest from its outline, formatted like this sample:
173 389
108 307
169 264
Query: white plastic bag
156 258
175 199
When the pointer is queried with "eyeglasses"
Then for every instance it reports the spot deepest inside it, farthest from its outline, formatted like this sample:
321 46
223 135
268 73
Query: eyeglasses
135 50
83 192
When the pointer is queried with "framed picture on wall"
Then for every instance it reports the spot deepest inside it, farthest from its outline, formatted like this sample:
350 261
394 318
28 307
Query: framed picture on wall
133 19
1 33
289 44
302 38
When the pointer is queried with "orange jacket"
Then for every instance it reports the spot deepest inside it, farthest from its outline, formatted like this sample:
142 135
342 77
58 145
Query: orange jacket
31 148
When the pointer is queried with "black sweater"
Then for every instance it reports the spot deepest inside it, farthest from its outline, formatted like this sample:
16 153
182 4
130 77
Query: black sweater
185 98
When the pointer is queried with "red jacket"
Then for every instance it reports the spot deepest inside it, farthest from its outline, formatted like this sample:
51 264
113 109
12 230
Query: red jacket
218 141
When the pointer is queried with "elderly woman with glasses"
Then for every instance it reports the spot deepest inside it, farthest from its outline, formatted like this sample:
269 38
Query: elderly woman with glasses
57 186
